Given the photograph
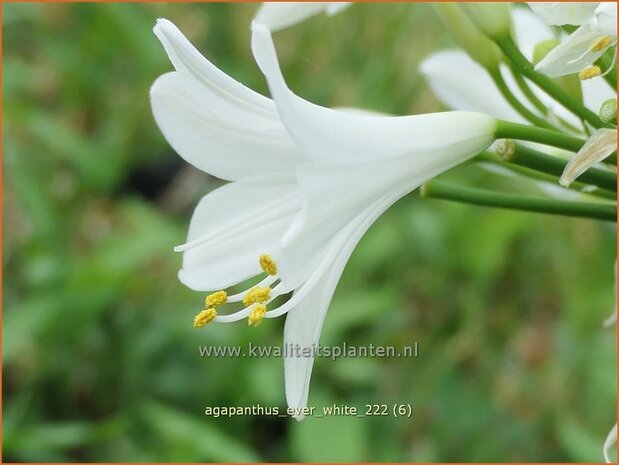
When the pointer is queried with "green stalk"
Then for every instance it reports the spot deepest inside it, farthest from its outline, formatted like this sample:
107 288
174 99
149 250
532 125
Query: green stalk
509 130
515 103
440 190
522 84
510 49
531 158
545 177
611 78
526 90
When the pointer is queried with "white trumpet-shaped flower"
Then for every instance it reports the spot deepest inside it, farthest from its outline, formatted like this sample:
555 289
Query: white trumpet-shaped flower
280 15
578 53
307 183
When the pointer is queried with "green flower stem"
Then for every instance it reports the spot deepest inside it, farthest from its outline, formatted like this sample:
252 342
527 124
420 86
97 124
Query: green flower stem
515 103
440 190
611 78
510 49
524 87
526 90
544 177
509 130
538 161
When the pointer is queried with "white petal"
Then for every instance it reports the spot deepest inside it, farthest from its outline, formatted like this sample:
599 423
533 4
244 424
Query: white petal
529 31
304 323
601 144
332 196
462 84
573 54
303 327
612 319
559 13
330 136
218 137
280 15
198 71
471 89
232 226
606 18
333 8
611 440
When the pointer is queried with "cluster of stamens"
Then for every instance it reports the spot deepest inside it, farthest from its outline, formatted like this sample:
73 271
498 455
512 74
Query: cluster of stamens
254 299
592 71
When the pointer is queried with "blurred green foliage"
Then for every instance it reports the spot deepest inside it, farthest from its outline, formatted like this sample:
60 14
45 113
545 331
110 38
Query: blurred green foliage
100 359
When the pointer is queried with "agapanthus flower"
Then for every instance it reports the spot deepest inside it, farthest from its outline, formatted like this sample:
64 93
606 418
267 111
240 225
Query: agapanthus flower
472 89
578 53
307 183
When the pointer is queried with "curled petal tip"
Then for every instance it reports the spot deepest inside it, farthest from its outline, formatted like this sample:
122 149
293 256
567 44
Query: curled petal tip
259 27
160 23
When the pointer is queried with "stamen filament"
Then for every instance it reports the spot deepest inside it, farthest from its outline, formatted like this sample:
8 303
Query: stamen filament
596 46
302 290
241 314
266 282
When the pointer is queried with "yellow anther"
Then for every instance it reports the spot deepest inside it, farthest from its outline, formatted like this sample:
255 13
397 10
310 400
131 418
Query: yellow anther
601 44
589 72
216 299
256 315
257 295
204 317
268 265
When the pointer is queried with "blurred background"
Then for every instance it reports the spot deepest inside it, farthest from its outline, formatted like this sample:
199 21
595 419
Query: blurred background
100 359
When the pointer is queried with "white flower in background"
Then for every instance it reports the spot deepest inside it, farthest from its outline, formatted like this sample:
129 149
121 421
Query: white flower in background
578 53
472 89
307 183
574 13
611 440
280 15
601 144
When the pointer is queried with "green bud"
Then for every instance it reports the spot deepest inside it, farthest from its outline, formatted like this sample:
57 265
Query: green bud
467 35
543 48
493 18
608 111
505 149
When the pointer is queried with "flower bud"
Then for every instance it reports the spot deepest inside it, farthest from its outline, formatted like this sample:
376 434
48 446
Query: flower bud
467 35
493 18
608 111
